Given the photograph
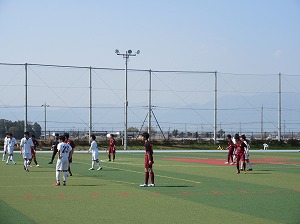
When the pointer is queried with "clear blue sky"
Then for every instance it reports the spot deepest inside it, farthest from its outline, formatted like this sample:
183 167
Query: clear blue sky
257 36
232 36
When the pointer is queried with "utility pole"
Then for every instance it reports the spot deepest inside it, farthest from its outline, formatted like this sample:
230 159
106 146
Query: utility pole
45 106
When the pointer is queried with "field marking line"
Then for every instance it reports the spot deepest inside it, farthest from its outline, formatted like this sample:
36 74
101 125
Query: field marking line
157 175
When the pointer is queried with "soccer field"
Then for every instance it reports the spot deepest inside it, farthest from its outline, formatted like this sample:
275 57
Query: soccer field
191 187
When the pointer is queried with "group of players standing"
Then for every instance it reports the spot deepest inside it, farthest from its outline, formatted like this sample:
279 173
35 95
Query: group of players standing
64 147
238 152
28 146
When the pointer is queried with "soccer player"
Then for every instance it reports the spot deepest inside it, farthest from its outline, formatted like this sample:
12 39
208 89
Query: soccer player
230 149
62 164
54 146
112 148
25 146
94 150
33 151
148 161
240 153
4 148
243 138
72 144
10 146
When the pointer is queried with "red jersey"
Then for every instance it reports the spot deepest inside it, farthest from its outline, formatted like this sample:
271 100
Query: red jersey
149 151
112 143
71 143
240 147
230 145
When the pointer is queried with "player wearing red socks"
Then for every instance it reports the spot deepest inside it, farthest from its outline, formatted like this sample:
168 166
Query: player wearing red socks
148 161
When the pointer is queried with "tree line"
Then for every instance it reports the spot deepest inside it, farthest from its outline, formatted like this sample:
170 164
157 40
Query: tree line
17 128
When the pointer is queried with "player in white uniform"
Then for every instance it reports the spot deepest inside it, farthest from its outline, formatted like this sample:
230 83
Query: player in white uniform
25 146
243 138
4 148
10 146
94 150
62 164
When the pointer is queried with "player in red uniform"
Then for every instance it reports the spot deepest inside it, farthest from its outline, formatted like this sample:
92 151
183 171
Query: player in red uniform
72 144
148 161
230 149
240 153
112 148
33 151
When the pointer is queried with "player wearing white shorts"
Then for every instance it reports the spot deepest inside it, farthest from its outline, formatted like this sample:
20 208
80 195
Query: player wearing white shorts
243 138
94 150
25 146
10 146
62 164
4 148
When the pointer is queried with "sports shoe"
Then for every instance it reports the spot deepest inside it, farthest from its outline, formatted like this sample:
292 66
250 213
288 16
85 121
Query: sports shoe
232 163
250 169
15 163
3 160
100 168
29 165
242 169
245 171
237 172
144 185
89 169
27 170
7 163
226 162
56 184
64 183
37 165
151 185
50 163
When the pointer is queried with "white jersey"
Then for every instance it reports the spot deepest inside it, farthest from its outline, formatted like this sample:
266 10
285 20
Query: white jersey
64 150
247 147
10 144
94 150
5 139
26 144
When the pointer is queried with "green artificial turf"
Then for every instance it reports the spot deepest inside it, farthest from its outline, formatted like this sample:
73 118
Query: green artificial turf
198 189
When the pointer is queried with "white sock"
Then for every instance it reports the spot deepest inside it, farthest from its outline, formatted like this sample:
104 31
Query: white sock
65 176
93 162
12 159
99 164
57 176
3 156
8 158
25 164
249 164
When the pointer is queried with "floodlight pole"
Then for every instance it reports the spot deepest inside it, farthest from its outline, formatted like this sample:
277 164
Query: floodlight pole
126 57
45 106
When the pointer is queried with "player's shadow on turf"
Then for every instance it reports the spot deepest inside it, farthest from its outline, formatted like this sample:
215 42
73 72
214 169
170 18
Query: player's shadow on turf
169 186
258 173
41 171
